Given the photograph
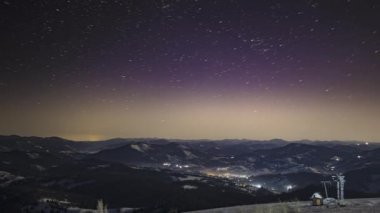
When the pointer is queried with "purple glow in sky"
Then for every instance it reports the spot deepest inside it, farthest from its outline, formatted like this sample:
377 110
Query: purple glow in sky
191 69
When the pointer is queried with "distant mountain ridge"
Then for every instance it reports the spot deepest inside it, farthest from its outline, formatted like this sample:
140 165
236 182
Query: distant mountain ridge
177 172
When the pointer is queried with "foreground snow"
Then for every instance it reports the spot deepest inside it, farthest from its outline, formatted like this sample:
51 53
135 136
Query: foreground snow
365 205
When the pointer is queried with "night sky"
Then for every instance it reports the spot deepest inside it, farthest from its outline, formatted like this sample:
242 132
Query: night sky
191 69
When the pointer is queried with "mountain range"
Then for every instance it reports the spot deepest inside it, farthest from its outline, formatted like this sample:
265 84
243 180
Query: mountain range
159 174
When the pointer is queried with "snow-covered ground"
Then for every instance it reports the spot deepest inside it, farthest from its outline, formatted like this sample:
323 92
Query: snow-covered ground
140 147
51 205
190 178
7 178
189 187
365 205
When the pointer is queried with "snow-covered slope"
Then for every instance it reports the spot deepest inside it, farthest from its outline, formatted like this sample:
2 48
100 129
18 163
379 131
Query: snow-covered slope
365 205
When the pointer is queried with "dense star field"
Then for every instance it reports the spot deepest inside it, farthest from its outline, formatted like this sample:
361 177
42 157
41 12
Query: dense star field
95 69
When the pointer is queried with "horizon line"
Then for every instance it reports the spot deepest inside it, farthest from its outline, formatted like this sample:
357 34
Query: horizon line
178 139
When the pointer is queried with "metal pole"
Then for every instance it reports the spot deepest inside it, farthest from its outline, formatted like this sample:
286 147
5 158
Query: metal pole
342 181
337 190
324 184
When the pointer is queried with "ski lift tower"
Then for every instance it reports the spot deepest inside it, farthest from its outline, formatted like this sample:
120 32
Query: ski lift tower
339 179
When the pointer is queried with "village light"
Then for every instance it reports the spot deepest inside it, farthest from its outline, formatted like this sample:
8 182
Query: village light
289 187
257 186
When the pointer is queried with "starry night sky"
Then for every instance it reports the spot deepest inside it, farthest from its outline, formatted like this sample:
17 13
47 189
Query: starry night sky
191 69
